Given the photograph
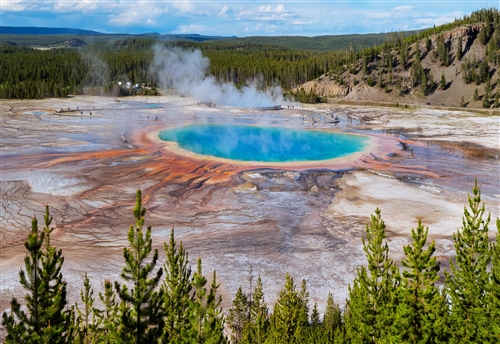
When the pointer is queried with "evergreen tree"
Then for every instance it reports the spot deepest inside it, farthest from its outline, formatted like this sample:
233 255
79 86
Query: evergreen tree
198 283
496 103
476 95
304 301
368 309
417 73
484 71
486 99
315 333
424 86
428 44
177 303
288 324
238 315
108 318
442 83
468 281
47 320
370 82
421 308
332 320
213 324
462 102
493 296
140 308
257 329
417 52
87 318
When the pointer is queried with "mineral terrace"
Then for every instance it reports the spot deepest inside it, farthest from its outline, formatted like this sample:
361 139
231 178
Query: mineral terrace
307 220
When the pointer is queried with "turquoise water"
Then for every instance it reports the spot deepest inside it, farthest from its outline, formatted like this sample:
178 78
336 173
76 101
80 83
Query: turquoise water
36 113
266 144
137 105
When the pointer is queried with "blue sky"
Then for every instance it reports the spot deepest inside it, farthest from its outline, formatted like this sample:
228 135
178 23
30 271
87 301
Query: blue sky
237 18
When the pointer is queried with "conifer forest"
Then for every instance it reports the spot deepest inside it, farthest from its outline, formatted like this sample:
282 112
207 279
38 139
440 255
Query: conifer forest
414 302
395 66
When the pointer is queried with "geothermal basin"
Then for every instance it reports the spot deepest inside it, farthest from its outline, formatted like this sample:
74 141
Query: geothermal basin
242 216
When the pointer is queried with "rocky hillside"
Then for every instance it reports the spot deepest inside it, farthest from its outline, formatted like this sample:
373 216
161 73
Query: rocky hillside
454 67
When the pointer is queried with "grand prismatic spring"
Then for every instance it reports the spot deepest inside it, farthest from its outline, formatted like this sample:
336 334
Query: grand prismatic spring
280 213
264 144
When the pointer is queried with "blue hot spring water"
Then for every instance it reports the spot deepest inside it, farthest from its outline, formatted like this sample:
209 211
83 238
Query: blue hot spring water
266 144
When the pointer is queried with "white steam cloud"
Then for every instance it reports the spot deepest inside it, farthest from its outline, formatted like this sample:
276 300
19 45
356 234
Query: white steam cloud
186 71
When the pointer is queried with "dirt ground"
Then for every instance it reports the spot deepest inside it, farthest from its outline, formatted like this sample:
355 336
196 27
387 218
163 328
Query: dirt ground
307 220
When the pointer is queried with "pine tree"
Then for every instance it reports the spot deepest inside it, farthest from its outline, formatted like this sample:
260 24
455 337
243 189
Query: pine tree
424 86
257 329
462 102
467 284
87 318
370 82
238 315
304 301
177 303
287 324
315 333
48 320
486 99
442 83
476 95
213 324
108 318
493 295
139 311
417 52
369 307
198 283
332 321
484 71
421 308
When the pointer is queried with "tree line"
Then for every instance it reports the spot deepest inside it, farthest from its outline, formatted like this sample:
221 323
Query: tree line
386 303
95 68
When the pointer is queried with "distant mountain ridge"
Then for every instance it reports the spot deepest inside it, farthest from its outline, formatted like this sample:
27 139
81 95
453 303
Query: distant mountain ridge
28 30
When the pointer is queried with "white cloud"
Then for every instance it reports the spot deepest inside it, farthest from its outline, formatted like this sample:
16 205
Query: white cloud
193 28
14 5
302 22
269 9
377 15
403 8
137 13
438 20
183 6
224 11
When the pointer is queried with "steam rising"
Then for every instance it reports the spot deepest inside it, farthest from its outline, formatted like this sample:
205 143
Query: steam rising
186 71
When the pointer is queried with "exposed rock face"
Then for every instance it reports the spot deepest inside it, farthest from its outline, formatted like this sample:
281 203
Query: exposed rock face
325 88
396 85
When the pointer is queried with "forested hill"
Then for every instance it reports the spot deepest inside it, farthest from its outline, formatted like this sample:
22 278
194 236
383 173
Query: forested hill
455 64
318 43
28 30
